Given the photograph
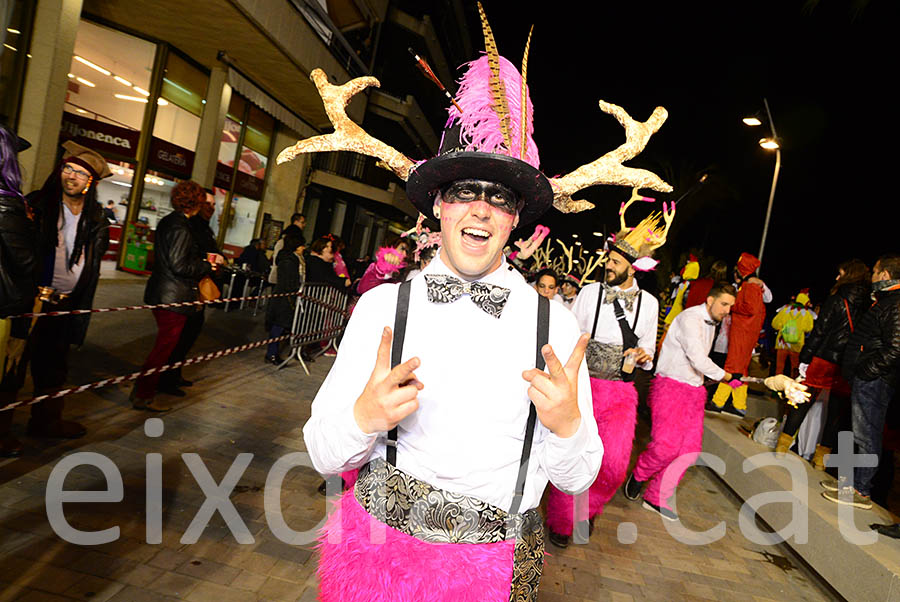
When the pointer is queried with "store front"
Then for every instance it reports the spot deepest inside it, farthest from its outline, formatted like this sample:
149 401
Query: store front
112 78
241 173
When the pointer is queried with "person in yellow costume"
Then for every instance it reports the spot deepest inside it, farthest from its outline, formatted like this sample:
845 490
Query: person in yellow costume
792 322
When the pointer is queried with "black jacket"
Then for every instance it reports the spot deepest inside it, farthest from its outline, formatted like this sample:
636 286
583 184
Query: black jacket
178 266
96 236
203 234
831 331
18 257
319 270
280 310
873 350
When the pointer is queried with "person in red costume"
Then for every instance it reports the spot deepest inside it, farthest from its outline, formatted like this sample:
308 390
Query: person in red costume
747 317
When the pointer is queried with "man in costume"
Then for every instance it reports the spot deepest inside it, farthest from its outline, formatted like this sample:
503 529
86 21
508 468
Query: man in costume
458 418
621 319
677 397
747 317
74 235
792 322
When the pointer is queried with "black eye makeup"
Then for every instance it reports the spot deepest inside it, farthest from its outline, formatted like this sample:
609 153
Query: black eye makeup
467 191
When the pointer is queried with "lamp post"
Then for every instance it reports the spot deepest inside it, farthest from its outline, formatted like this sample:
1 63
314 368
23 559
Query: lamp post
768 144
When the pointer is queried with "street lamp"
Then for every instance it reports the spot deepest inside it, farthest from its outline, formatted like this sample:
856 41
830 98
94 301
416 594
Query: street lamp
770 143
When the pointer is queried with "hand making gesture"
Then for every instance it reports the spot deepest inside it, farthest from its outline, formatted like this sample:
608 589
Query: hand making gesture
555 394
390 395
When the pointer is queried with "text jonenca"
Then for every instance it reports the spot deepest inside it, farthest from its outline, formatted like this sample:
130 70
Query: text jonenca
75 130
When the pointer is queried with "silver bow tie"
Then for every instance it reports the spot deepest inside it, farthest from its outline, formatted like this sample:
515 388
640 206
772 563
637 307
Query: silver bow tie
447 289
627 297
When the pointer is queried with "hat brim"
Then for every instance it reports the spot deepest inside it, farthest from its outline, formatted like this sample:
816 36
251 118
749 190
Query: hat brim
530 183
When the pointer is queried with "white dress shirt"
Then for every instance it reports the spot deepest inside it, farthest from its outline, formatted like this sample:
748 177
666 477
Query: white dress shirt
608 330
685 350
467 434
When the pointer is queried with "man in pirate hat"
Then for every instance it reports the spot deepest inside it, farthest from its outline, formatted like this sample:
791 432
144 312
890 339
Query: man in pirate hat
74 235
479 394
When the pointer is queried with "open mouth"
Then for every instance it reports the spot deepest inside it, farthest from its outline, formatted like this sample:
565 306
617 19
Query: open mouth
475 236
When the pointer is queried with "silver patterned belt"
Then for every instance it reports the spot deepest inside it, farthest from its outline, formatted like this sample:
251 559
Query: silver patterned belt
416 508
604 360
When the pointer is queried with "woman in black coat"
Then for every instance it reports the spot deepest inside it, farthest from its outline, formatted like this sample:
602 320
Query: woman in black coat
18 282
280 311
823 350
177 270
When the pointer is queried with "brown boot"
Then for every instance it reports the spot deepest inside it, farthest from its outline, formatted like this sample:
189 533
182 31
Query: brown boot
10 447
155 405
46 421
784 444
58 429
819 457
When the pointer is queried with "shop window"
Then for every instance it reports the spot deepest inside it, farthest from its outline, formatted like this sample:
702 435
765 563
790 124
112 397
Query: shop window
244 122
184 90
109 77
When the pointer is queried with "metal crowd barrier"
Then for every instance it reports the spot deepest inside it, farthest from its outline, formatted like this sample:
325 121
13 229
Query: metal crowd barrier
320 315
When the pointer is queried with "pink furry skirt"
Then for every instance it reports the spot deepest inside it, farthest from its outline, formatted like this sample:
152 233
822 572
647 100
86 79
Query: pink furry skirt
405 554
615 410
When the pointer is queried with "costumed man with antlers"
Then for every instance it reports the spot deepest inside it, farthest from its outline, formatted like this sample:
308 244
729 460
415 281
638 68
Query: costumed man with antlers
451 412
621 319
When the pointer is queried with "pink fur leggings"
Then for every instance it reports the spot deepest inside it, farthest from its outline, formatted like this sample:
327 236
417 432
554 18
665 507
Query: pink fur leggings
615 410
676 437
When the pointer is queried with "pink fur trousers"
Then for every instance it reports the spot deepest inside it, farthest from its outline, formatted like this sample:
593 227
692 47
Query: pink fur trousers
615 410
676 437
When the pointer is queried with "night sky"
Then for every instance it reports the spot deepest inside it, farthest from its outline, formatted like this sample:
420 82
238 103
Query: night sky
825 68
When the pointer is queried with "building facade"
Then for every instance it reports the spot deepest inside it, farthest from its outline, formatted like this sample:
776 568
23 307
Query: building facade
213 90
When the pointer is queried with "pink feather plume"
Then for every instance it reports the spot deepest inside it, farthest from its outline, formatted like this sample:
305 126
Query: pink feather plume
480 124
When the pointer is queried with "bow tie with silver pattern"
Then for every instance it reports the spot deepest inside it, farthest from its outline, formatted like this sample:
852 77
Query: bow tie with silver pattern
628 297
447 289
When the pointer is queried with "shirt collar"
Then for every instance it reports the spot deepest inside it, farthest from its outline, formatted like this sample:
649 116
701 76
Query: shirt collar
437 266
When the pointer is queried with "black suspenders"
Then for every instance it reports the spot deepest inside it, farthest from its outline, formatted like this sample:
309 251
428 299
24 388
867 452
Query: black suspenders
543 334
402 313
543 337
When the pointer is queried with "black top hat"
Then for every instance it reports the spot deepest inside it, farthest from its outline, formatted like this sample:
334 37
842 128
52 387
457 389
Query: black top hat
452 164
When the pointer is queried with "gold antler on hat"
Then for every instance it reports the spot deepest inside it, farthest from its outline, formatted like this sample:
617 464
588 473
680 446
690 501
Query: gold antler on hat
647 235
347 135
608 169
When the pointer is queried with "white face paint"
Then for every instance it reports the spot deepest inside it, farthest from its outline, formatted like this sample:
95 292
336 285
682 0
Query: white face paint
475 225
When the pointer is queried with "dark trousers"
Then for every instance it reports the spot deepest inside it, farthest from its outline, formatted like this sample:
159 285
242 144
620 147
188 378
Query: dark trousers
869 401
189 334
275 331
47 352
834 418
169 324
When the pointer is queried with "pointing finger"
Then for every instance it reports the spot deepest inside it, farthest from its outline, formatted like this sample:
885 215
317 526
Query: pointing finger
574 362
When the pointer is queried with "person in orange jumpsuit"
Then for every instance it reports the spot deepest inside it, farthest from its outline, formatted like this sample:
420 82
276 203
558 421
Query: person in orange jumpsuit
747 318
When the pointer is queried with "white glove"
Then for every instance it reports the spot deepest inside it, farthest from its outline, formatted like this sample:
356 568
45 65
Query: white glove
802 370
794 391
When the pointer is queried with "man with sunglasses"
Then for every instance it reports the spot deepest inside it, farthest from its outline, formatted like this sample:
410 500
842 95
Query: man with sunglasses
459 393
74 235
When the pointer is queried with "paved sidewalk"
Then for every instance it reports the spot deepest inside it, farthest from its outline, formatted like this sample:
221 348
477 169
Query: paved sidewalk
241 405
